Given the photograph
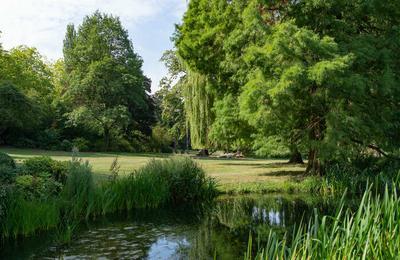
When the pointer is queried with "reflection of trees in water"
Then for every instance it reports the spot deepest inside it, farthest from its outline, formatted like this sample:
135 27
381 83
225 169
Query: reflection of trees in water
183 234
211 241
233 219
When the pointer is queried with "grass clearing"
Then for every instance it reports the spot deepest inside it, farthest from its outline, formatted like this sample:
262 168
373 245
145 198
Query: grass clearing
233 175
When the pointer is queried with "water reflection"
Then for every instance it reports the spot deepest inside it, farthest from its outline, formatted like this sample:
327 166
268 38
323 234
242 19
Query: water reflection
222 232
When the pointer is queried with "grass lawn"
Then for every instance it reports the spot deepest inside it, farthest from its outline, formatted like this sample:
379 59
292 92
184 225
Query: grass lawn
233 175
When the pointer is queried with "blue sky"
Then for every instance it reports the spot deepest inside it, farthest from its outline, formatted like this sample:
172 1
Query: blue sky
42 24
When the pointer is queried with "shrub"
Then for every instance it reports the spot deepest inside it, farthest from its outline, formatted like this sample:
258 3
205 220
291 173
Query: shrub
49 139
81 143
161 140
37 187
6 160
158 183
66 145
38 165
186 181
7 174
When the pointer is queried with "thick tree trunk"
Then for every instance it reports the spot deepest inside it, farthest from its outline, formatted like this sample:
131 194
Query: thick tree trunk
314 164
296 156
174 149
203 152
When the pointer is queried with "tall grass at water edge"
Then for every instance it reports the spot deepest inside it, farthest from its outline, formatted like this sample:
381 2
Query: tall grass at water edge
160 183
370 232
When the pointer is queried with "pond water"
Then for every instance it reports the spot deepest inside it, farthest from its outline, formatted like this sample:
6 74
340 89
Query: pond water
222 231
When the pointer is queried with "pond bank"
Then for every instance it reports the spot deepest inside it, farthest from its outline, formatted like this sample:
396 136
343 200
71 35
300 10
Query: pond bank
222 230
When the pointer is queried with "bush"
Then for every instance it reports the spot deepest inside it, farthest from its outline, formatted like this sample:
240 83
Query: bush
38 165
66 145
186 181
25 143
161 140
159 183
7 174
6 160
49 139
37 187
81 143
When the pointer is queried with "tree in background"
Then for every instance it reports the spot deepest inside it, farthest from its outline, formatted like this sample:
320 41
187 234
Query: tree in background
107 86
229 131
27 79
17 111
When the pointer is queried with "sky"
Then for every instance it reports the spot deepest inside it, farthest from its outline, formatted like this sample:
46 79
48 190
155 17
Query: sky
42 24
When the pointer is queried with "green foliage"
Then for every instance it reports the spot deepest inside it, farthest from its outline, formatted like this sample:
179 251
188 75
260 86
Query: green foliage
228 130
368 233
79 191
299 73
7 174
161 139
187 182
170 105
81 144
39 187
45 165
17 111
26 217
107 86
270 147
6 160
198 108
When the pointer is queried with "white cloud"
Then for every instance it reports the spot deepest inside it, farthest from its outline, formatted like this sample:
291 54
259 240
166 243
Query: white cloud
42 23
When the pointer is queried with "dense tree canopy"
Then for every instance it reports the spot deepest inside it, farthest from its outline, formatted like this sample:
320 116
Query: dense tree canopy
97 90
107 86
320 75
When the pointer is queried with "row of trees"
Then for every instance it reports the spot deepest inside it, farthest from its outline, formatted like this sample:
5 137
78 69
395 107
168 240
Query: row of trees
321 77
97 97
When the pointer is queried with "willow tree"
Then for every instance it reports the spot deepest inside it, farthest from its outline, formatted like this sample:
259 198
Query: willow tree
198 101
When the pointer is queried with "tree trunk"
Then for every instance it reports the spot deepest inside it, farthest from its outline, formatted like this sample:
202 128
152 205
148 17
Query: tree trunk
314 164
106 139
174 150
295 156
203 152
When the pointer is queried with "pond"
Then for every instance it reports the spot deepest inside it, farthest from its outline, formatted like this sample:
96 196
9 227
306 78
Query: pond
222 231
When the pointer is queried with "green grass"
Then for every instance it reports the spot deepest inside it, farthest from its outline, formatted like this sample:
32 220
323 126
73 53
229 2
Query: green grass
233 175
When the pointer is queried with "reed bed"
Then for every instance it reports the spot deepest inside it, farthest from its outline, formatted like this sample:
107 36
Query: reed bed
171 182
370 232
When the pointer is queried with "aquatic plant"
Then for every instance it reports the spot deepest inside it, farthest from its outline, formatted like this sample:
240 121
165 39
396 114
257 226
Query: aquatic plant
27 217
157 184
173 181
371 232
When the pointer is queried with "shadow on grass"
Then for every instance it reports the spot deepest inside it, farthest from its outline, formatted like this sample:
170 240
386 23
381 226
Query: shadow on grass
21 153
284 173
265 165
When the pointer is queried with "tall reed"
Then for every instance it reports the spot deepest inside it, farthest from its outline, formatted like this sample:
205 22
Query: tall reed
157 184
371 232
